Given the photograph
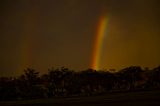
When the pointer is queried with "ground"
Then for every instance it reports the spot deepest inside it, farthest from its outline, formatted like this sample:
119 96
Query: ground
143 98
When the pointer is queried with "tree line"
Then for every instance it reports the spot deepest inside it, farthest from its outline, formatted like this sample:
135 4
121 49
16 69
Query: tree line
66 82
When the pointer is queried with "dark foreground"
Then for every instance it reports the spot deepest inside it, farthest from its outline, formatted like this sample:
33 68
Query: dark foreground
145 98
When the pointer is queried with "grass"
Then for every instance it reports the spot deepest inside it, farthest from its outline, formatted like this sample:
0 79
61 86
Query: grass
143 98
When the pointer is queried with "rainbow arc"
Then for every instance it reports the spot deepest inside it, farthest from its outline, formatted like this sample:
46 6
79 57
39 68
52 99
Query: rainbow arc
98 43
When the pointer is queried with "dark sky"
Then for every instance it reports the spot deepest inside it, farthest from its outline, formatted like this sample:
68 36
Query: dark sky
52 33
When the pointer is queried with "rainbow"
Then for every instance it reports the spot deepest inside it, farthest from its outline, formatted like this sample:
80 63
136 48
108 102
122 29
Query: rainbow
27 43
98 43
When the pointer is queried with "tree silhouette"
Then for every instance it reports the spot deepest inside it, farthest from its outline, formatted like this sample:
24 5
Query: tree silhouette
153 78
65 82
128 76
29 84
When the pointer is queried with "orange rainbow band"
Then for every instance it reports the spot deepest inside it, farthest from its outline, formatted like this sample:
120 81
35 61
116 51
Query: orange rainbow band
27 43
101 29
25 53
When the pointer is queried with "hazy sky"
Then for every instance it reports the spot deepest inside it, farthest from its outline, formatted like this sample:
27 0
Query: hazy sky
52 33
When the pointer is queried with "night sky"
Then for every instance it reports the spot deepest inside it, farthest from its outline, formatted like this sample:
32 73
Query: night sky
41 34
